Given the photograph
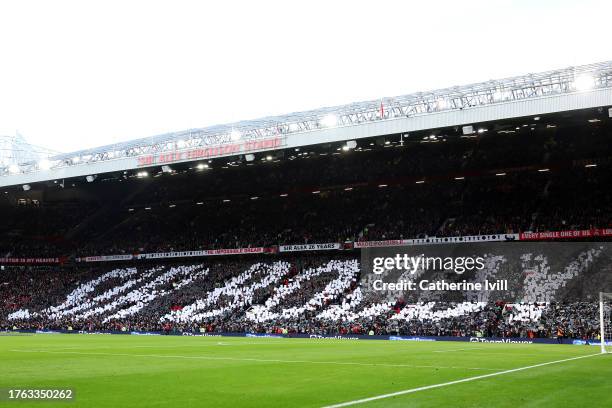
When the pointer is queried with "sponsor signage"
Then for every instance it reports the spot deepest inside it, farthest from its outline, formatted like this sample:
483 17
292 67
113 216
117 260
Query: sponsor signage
500 340
400 338
493 340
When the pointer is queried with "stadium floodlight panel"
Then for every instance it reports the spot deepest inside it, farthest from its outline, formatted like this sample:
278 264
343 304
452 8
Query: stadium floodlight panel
584 82
44 164
329 120
442 104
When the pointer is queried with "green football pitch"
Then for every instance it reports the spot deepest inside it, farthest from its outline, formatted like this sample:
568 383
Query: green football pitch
167 371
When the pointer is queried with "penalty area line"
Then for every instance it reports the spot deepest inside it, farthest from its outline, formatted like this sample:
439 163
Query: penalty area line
446 384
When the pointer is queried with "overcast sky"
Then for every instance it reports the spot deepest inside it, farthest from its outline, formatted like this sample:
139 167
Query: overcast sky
79 74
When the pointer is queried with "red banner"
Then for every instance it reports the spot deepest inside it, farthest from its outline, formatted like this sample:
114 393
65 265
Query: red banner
569 234
30 261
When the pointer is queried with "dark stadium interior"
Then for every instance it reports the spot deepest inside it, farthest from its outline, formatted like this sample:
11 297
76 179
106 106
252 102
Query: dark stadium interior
434 183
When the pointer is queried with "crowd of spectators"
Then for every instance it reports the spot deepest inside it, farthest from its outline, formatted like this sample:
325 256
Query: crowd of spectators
308 294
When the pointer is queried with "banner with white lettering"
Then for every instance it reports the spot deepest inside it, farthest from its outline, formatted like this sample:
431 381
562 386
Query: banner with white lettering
437 240
308 247
569 234
105 258
204 252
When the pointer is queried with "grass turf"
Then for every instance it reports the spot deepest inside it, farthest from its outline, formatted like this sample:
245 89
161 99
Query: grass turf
168 371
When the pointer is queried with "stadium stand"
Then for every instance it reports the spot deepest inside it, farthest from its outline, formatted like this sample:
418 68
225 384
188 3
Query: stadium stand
528 179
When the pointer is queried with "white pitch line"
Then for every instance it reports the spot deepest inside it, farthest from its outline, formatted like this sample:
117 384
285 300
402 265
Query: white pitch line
219 343
429 387
461 349
258 360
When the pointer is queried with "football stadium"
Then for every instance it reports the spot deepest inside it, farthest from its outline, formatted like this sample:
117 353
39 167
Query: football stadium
229 265
445 248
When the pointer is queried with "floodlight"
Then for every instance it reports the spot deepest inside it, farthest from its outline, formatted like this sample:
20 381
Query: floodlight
142 174
13 168
44 164
468 130
90 179
329 120
584 82
442 104
166 169
249 157
202 166
26 187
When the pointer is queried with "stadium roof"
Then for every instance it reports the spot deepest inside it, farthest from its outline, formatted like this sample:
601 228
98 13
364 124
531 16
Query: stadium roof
14 149
558 90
